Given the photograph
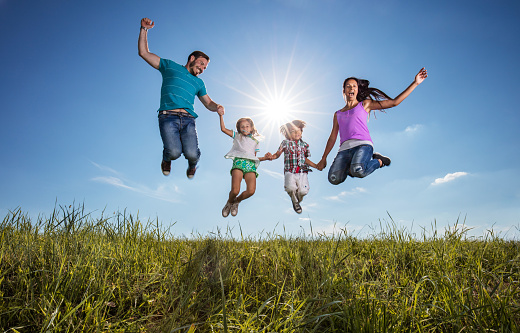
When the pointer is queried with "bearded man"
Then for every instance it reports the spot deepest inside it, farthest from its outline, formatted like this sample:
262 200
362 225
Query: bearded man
180 85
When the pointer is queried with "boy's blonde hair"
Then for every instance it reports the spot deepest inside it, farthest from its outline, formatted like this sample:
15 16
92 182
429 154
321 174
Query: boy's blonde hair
254 132
286 129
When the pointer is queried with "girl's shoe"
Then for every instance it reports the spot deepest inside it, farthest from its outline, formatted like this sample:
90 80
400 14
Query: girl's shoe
234 209
226 209
386 160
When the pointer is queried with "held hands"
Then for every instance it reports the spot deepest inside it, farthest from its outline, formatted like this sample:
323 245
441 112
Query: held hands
147 23
268 156
423 74
220 110
321 164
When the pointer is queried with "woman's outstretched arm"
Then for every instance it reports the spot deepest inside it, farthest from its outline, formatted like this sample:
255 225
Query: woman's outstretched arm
390 103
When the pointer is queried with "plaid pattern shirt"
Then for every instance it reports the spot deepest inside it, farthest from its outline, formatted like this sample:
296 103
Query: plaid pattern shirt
295 154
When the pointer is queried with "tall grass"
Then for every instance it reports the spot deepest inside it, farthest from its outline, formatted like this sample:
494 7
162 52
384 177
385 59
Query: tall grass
71 272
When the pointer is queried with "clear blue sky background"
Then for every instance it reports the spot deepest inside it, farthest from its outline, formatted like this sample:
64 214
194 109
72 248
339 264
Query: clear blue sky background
79 122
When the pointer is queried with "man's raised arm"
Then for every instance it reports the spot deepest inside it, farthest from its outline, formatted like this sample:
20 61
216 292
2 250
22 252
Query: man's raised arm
142 44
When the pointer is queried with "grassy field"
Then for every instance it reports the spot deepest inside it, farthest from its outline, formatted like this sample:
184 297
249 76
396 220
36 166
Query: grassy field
70 272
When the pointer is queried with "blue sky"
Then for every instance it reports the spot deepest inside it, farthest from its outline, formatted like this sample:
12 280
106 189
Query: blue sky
79 121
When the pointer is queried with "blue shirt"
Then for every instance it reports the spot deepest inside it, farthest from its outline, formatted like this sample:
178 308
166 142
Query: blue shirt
179 87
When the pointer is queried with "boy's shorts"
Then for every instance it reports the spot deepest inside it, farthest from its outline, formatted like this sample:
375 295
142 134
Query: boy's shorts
244 165
296 182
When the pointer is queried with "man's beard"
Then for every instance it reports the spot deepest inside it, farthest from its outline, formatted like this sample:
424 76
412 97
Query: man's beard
191 68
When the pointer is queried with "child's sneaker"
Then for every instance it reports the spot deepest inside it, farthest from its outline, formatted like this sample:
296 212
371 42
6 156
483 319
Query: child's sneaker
234 208
226 209
385 160
296 206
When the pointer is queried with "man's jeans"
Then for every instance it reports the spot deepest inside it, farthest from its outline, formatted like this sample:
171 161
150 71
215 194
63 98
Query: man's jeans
179 136
354 162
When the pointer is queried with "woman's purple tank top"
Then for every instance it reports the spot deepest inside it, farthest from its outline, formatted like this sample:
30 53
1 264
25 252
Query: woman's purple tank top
353 124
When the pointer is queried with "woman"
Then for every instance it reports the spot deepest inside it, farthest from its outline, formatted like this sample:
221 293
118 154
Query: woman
355 156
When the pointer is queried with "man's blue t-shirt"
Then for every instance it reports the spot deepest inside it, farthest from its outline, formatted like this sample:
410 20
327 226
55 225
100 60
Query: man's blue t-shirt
179 87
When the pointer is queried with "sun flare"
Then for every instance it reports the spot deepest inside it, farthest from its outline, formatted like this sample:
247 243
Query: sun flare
277 96
278 110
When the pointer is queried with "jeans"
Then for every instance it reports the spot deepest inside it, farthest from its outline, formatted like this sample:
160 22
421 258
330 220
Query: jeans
355 162
179 136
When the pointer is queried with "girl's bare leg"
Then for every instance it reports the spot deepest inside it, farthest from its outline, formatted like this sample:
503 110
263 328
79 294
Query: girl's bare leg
250 179
236 179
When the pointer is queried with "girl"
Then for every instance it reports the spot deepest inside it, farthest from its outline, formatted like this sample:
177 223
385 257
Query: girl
296 162
245 162
355 156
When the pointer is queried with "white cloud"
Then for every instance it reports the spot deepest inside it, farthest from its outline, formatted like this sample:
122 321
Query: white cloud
104 168
112 181
273 174
311 204
449 177
162 192
338 197
413 129
333 198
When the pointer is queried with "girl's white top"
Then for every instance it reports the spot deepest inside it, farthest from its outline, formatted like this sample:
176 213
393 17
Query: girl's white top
244 146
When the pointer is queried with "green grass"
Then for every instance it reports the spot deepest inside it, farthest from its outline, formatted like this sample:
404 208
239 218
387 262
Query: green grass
72 272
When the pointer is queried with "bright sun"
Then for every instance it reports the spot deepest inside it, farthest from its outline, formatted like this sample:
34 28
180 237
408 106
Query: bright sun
276 98
278 110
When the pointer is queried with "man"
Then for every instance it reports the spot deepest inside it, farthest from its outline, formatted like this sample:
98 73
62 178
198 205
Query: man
180 85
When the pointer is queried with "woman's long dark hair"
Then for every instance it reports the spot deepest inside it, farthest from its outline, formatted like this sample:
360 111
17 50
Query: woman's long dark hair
366 92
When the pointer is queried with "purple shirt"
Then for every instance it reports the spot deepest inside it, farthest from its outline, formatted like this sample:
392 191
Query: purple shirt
353 124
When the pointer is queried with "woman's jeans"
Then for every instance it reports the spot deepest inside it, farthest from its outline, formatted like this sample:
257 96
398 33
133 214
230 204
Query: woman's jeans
179 136
354 162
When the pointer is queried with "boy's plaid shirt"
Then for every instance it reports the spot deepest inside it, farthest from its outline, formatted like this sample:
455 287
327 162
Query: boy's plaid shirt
294 156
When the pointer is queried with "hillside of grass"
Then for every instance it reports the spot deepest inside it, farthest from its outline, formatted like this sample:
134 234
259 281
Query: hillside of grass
71 272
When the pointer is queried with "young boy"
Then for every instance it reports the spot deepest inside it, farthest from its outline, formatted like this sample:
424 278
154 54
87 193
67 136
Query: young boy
296 162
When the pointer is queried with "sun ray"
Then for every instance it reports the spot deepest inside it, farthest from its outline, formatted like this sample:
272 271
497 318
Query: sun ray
280 93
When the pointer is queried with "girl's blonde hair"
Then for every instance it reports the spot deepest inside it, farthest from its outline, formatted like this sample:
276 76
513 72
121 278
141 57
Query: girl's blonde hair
286 129
254 132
